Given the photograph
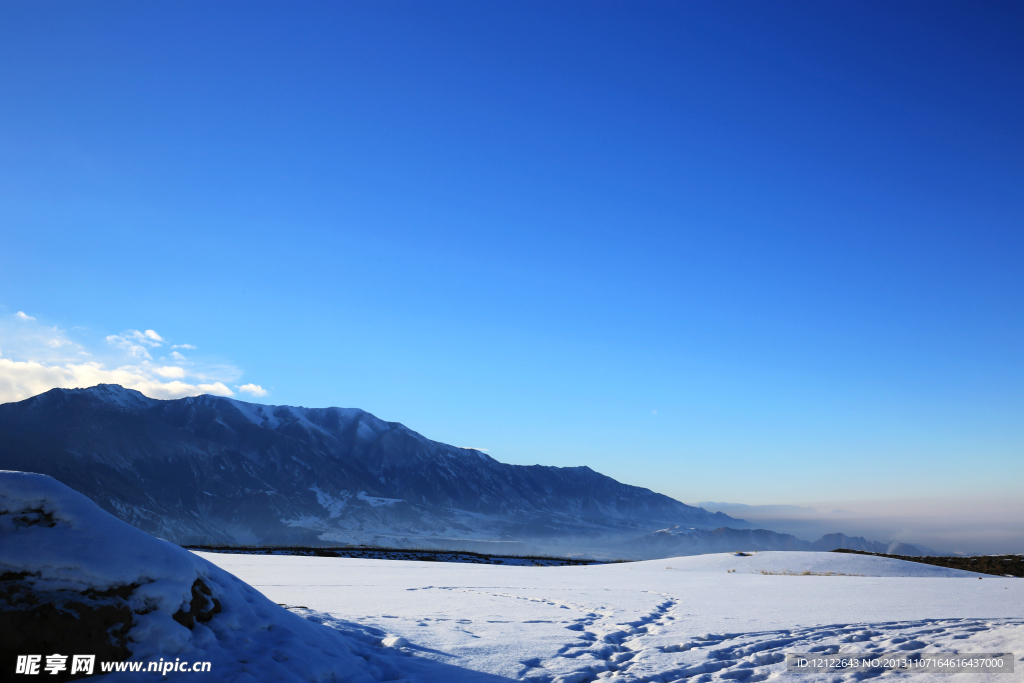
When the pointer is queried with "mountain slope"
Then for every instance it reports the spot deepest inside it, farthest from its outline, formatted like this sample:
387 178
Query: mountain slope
210 469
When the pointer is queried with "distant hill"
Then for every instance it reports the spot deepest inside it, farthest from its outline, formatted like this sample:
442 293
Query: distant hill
691 541
806 522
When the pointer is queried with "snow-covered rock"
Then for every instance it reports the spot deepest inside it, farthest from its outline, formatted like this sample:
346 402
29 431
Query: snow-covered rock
76 580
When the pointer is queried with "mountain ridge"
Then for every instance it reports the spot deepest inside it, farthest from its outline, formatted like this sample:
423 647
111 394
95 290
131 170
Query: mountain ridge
216 469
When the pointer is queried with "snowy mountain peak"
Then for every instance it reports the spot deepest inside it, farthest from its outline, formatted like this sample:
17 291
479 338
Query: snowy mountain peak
113 394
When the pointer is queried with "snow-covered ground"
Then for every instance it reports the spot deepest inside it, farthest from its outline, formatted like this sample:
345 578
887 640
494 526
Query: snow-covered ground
699 619
663 620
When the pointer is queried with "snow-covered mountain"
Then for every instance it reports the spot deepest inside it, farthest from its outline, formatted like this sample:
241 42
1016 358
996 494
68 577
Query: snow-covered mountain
210 469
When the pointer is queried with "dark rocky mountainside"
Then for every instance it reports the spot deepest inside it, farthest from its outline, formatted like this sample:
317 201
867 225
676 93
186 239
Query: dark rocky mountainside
216 470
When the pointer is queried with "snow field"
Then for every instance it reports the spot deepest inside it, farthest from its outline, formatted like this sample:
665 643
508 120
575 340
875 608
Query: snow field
684 618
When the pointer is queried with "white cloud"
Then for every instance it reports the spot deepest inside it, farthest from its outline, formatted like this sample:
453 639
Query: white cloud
183 346
136 343
254 389
473 448
215 388
148 338
170 372
39 358
20 380
136 350
24 338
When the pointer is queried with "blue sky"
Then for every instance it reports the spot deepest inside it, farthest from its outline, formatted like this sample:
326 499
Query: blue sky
754 252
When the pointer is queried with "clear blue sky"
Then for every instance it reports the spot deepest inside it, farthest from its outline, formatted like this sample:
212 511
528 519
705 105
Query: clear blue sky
745 251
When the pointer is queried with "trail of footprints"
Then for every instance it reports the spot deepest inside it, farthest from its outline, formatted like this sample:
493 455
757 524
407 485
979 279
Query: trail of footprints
625 654
600 650
606 656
